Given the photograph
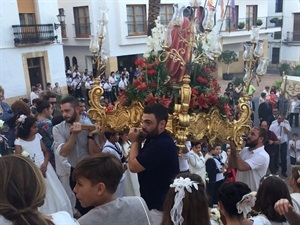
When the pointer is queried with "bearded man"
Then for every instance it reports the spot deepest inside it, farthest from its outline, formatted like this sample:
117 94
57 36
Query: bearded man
156 162
71 141
253 161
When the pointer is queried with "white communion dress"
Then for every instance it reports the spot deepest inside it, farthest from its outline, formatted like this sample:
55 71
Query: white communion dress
56 197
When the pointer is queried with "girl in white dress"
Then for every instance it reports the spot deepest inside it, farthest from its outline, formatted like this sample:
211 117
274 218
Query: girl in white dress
29 141
197 161
22 191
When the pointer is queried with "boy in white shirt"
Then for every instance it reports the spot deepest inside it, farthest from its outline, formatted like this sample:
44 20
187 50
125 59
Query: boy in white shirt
294 146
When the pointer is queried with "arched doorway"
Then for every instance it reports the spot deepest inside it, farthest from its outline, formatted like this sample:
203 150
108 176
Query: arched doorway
67 62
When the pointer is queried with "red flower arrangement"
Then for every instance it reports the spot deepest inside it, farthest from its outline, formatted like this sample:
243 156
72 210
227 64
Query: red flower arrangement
152 87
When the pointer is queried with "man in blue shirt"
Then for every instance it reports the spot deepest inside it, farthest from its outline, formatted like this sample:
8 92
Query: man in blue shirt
156 162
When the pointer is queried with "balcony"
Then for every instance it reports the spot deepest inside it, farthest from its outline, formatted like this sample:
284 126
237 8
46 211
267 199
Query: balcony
33 34
292 38
243 24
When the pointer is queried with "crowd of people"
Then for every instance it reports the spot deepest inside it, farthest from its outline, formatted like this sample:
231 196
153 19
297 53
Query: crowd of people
79 84
80 173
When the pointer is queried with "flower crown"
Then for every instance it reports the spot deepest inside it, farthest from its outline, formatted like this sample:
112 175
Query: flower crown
246 203
180 184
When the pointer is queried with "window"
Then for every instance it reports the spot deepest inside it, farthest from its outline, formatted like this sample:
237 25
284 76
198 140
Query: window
166 13
82 22
63 25
251 15
278 5
296 30
27 18
277 35
275 55
67 62
232 17
136 20
74 62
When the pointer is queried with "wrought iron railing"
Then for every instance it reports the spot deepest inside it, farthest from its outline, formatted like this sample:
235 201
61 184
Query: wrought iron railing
33 34
246 23
292 37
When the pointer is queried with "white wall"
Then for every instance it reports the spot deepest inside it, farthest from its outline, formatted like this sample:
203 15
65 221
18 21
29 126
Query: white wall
289 53
11 66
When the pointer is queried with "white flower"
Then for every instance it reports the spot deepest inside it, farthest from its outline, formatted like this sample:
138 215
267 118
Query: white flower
1 123
186 183
22 118
215 214
245 205
25 154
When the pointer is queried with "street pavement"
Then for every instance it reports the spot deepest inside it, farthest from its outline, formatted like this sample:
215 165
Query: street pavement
269 80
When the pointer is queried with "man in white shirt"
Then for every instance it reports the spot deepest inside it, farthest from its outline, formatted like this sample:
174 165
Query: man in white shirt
253 161
114 83
281 128
33 94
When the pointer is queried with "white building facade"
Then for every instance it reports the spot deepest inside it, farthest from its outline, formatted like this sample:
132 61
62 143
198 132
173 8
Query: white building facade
28 49
126 30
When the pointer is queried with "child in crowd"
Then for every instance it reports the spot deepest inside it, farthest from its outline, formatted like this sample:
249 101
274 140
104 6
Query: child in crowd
215 168
197 161
97 178
231 172
294 146
112 146
186 202
30 142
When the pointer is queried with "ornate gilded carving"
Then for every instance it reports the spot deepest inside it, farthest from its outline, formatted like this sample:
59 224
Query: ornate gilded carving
211 127
291 85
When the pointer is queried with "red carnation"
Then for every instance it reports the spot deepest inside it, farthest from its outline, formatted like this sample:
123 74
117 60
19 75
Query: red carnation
194 91
202 101
151 99
152 84
139 62
165 101
202 80
142 87
151 72
213 99
138 81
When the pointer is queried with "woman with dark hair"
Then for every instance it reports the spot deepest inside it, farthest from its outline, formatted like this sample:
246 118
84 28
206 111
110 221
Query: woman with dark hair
186 202
44 110
271 189
22 191
230 88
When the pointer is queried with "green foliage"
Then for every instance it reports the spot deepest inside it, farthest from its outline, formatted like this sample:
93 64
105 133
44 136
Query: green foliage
286 67
274 20
237 81
241 25
227 57
296 70
277 84
259 22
